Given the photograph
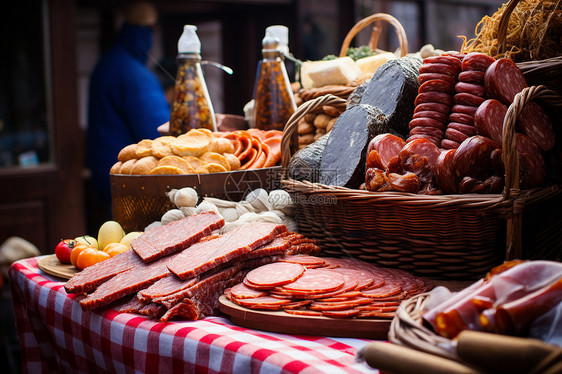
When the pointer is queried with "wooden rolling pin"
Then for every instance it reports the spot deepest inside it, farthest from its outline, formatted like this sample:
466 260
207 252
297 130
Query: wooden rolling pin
508 354
398 359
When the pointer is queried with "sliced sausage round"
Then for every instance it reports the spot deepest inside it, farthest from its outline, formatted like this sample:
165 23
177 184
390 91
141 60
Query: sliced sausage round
434 97
503 80
472 76
422 78
471 88
477 61
437 107
488 119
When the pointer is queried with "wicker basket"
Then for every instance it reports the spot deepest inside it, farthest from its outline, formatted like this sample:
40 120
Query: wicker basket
312 130
439 236
138 200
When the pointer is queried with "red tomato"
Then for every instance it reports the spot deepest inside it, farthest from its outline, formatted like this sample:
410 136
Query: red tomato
63 249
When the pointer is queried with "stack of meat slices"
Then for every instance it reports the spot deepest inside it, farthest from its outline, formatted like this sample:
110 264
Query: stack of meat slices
180 270
330 287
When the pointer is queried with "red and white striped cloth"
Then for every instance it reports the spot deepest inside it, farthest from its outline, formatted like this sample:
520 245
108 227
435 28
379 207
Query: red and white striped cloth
57 336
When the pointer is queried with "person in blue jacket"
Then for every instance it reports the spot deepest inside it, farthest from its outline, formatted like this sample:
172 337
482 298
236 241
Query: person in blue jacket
126 100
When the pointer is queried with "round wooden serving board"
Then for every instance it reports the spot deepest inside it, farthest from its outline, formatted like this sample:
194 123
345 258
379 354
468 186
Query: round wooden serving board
279 321
51 265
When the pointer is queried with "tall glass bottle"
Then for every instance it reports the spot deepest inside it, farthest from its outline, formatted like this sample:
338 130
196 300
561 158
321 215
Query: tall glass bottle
192 107
274 102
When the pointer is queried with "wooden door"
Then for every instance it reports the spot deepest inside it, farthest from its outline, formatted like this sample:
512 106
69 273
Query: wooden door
41 188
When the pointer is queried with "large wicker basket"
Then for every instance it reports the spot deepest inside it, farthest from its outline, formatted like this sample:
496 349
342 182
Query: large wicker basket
450 237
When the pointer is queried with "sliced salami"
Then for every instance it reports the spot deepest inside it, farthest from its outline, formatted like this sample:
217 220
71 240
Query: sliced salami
422 78
531 162
535 123
317 281
465 129
441 117
421 147
471 88
455 135
464 98
440 68
488 120
465 109
477 61
430 138
473 158
348 313
304 260
263 302
472 76
427 130
462 118
241 291
503 80
432 106
387 146
275 274
426 122
434 97
449 144
303 312
339 305
388 289
438 85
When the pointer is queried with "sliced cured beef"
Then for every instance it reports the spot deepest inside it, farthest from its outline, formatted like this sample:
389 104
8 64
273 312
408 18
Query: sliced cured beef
343 158
208 255
535 123
392 90
128 282
276 274
165 286
92 276
503 80
488 120
167 239
477 61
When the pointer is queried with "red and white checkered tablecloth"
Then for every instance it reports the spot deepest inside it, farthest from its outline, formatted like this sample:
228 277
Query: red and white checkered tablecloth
57 336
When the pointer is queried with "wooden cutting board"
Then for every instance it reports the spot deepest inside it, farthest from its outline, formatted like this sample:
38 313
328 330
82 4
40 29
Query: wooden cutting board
279 321
51 265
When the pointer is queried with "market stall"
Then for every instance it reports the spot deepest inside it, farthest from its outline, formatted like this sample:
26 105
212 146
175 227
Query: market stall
56 335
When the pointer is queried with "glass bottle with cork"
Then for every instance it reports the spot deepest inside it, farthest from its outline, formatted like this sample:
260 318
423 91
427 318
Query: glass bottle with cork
192 107
274 102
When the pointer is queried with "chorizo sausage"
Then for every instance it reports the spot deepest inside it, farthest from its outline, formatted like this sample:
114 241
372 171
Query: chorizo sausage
434 97
473 158
444 175
488 119
422 78
432 106
477 61
503 80
535 123
472 76
440 68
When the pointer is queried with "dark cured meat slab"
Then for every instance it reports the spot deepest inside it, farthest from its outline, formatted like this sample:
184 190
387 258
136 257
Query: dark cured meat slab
92 276
202 257
128 282
175 236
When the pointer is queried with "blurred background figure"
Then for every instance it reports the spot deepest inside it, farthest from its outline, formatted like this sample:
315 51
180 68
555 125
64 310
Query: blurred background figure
126 100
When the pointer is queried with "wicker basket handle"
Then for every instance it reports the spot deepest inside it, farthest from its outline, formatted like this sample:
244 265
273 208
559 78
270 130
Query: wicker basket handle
502 26
288 144
376 31
511 159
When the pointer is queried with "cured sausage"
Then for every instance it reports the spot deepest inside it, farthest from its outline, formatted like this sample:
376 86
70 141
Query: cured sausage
477 61
465 129
434 97
449 144
473 158
535 123
462 118
316 281
431 106
488 119
387 146
471 88
432 139
455 135
275 274
443 59
426 122
420 147
441 68
422 78
241 291
472 76
503 80
464 98
444 175
465 109
437 85
441 117
408 182
531 162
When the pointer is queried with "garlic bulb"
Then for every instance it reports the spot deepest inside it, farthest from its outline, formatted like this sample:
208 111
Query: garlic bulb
153 225
206 206
185 197
171 216
230 214
188 210
259 199
220 203
268 217
172 194
244 207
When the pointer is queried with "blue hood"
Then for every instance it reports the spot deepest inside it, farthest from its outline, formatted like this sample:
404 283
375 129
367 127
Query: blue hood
137 40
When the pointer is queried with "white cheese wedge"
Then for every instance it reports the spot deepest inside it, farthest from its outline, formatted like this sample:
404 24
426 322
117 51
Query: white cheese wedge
369 65
339 71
